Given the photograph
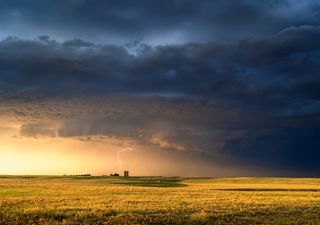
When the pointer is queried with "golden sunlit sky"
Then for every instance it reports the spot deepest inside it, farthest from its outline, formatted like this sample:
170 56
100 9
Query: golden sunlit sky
97 155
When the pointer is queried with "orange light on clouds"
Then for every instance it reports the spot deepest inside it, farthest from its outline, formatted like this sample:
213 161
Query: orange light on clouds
96 155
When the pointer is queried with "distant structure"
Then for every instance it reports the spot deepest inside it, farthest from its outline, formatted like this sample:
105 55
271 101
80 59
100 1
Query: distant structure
114 175
126 173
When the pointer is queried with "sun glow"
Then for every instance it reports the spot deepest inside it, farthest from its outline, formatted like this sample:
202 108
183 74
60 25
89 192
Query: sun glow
54 156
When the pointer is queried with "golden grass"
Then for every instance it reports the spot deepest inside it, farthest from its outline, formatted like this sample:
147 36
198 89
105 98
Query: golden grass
106 200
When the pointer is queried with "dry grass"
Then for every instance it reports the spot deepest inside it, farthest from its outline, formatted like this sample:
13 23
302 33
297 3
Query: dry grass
106 200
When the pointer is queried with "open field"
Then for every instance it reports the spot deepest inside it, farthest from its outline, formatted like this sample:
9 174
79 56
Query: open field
158 200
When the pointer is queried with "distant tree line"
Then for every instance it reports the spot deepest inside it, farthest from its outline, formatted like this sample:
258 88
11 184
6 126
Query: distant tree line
78 175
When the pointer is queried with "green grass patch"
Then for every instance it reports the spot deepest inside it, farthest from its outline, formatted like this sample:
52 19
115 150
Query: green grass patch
150 182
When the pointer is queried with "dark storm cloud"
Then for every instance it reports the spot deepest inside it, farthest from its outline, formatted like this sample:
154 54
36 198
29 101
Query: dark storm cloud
289 148
156 22
278 69
238 80
255 102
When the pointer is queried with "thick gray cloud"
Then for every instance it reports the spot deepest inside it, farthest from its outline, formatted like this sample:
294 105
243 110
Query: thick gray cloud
168 21
277 69
37 130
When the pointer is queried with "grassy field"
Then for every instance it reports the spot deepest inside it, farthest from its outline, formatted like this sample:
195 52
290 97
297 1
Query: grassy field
158 200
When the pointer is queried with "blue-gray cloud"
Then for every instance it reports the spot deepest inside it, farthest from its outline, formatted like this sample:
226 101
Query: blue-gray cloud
278 69
154 21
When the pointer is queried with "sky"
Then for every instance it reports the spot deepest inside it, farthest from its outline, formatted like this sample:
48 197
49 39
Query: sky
171 87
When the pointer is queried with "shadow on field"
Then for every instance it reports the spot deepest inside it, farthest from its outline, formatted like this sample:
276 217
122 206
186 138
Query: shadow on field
151 182
269 189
